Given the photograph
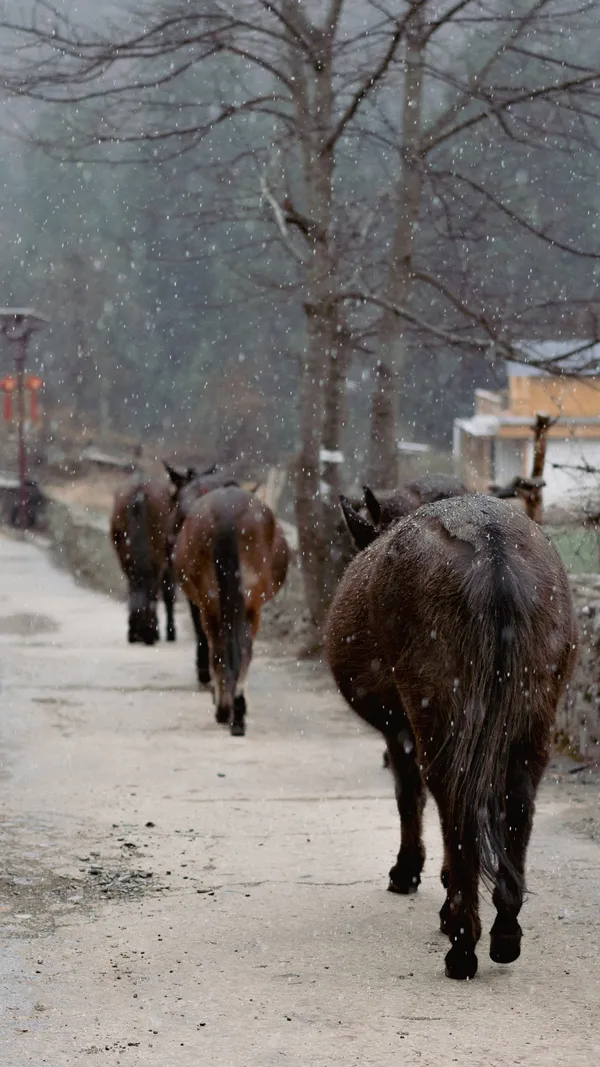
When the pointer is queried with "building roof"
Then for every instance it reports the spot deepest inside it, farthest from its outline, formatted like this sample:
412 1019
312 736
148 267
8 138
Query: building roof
489 425
479 425
572 357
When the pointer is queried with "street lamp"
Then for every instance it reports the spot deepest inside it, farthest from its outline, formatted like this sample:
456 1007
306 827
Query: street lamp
17 325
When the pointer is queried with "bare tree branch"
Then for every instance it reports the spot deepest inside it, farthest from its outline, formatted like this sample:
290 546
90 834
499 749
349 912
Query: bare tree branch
370 83
517 219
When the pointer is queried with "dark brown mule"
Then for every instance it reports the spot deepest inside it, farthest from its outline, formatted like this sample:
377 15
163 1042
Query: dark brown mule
230 559
409 497
454 634
189 486
403 501
139 529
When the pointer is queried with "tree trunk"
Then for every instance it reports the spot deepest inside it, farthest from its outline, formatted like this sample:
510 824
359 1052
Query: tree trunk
339 549
392 341
382 471
334 422
309 509
313 103
533 498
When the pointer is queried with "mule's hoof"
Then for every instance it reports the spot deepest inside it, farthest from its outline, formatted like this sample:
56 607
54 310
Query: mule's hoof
170 635
386 759
445 877
222 716
505 941
505 949
404 878
238 723
445 917
203 679
403 888
461 963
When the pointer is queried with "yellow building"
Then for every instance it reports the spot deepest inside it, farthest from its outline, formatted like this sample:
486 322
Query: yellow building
496 444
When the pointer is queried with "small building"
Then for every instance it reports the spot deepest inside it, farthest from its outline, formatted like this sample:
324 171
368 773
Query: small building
495 444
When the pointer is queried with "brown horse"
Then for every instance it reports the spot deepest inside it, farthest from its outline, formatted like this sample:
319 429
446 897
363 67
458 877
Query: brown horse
189 486
454 635
409 497
139 529
230 558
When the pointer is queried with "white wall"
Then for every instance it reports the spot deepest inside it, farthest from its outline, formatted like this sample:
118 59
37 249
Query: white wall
508 460
565 485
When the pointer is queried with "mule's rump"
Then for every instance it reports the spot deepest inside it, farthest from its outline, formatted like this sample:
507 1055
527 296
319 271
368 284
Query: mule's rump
139 530
230 558
263 550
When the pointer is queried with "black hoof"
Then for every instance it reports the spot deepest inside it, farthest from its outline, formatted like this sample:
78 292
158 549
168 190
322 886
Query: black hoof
170 635
204 679
505 949
238 725
445 877
222 715
405 877
445 917
461 963
505 941
386 759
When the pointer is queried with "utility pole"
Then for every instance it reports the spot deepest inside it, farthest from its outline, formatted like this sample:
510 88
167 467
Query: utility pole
17 325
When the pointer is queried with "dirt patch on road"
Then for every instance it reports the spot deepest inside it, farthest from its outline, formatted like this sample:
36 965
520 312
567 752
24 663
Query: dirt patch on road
34 898
24 624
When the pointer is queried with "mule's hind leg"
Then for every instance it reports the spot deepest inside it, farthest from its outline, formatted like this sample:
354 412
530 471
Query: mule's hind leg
385 712
202 651
238 718
464 925
445 880
525 769
168 593
405 875
460 914
238 715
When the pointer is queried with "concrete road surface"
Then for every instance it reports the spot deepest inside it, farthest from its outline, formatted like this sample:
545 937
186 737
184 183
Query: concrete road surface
173 897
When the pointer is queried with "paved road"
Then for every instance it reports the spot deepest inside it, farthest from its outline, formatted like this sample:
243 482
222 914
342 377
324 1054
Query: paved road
174 897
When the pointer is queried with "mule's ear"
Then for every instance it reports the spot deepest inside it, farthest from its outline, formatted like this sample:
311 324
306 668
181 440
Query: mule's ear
372 504
361 530
178 478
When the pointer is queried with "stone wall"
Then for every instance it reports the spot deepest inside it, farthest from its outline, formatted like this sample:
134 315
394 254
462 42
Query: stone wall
578 720
80 542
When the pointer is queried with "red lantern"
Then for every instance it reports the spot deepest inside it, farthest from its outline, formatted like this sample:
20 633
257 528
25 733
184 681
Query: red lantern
8 386
34 384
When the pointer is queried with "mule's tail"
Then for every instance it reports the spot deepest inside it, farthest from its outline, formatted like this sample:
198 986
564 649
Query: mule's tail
138 536
234 628
492 703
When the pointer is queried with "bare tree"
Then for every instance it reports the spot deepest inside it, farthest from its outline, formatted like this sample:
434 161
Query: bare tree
340 139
